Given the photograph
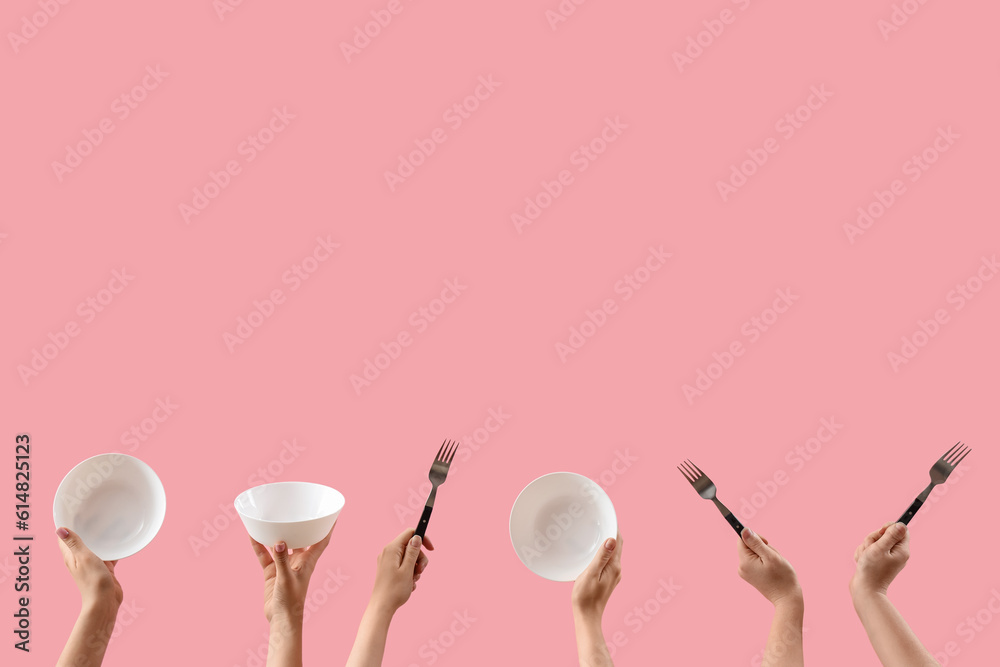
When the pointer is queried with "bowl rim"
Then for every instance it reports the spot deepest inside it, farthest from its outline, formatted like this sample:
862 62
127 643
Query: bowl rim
157 487
343 501
614 513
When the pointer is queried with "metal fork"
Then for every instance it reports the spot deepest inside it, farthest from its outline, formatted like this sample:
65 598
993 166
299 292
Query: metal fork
939 473
437 475
706 489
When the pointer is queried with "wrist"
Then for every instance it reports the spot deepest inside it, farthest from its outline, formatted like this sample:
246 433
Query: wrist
102 609
381 610
587 615
285 618
861 594
793 603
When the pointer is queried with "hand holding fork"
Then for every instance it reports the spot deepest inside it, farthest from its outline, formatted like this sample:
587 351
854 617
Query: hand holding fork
437 475
706 489
940 471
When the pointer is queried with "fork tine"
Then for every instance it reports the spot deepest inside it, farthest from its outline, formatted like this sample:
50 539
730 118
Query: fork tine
451 452
700 473
958 452
683 473
687 472
955 464
948 453
440 451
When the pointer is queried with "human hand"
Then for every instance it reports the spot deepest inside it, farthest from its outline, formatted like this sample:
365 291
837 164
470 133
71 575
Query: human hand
594 586
880 558
286 576
398 569
765 569
99 588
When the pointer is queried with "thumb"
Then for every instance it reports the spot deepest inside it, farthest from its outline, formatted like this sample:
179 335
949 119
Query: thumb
604 555
281 559
753 542
411 554
69 542
892 536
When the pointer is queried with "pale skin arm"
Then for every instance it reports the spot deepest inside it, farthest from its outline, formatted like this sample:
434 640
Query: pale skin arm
286 583
767 570
879 559
591 592
399 567
101 596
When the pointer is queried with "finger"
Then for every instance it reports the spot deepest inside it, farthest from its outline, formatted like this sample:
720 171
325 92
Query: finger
263 557
422 563
281 559
409 563
754 543
873 537
603 556
427 543
316 550
70 544
403 539
894 534
616 559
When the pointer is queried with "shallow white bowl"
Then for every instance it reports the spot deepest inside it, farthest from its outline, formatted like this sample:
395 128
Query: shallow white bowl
114 502
558 523
299 514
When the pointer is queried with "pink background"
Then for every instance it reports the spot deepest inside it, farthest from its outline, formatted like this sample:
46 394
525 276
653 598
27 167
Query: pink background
495 345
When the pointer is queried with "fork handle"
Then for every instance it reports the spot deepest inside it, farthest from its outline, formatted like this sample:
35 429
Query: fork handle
424 518
908 514
735 523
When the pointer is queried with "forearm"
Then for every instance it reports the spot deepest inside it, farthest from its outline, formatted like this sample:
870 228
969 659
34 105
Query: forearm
894 642
91 633
590 644
284 644
369 645
784 642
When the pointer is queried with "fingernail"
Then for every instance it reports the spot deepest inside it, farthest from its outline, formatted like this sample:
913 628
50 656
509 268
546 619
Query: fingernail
279 547
609 543
62 533
901 526
750 530
415 541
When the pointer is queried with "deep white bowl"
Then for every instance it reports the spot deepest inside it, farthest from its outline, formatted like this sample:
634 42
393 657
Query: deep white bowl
558 523
299 514
114 502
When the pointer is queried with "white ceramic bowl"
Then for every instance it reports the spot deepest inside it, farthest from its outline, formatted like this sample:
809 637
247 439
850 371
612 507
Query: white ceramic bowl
298 513
558 523
114 502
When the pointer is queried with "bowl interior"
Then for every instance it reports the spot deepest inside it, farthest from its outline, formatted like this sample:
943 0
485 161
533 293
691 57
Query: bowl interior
287 502
558 522
114 502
